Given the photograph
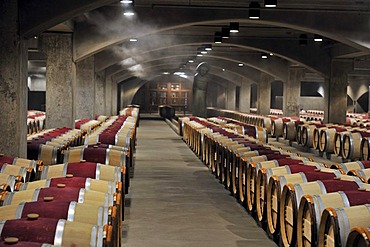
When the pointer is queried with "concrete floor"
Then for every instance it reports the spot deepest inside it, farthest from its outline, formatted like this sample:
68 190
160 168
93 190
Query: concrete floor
174 200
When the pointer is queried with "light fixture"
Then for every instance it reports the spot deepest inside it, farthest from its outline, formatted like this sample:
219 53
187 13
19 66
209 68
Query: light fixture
207 47
199 55
191 61
264 56
270 3
218 38
225 32
165 73
126 1
303 40
240 65
271 54
35 37
133 40
223 70
234 27
317 38
254 10
129 13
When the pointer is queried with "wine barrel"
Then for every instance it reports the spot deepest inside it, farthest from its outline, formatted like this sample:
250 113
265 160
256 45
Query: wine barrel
290 199
338 143
363 174
77 182
26 163
83 169
351 145
359 237
336 224
316 137
274 191
59 194
28 174
365 148
355 165
48 154
312 206
277 127
267 124
327 139
58 232
289 132
263 175
307 134
7 182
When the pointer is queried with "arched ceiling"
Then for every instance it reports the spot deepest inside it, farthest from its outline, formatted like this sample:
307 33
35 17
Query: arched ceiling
170 31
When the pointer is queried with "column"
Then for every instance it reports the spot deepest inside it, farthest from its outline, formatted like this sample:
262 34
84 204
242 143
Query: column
99 107
13 83
264 94
245 93
114 98
108 96
85 88
292 91
231 90
337 100
60 80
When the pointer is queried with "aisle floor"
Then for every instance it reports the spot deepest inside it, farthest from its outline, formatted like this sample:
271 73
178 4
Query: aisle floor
174 200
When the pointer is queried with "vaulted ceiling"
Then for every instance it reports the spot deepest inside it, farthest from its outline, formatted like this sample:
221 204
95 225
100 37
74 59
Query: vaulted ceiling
169 33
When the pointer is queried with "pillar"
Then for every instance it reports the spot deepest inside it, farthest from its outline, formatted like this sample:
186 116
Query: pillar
231 90
99 103
13 83
60 80
292 91
264 94
337 97
245 93
114 98
108 96
85 88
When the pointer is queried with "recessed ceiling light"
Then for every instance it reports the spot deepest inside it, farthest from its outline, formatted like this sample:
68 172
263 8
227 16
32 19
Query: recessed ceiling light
126 1
240 65
200 55
271 54
264 56
191 61
166 73
133 40
203 52
128 13
223 69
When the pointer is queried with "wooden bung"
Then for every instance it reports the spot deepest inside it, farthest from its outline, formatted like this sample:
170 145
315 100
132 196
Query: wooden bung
69 175
48 198
32 216
61 185
82 161
11 240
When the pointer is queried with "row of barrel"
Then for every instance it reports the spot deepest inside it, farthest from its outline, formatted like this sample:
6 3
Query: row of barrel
35 121
77 203
273 185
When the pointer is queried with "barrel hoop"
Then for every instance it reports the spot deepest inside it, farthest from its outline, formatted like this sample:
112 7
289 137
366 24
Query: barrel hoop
3 168
107 157
65 169
66 156
44 172
101 213
361 165
36 194
58 238
71 211
343 224
47 183
2 223
97 172
122 161
18 212
88 183
81 195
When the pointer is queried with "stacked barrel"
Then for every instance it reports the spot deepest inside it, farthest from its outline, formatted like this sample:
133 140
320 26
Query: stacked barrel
35 121
279 188
79 202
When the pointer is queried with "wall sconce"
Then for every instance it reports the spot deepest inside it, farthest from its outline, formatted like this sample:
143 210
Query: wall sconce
270 3
218 38
234 27
225 32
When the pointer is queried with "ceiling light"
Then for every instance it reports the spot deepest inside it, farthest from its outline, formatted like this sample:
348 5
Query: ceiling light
128 13
223 70
126 1
165 73
191 61
271 54
133 40
240 65
303 40
207 47
199 55
254 10
264 55
218 37
203 52
234 27
270 3
317 38
225 32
